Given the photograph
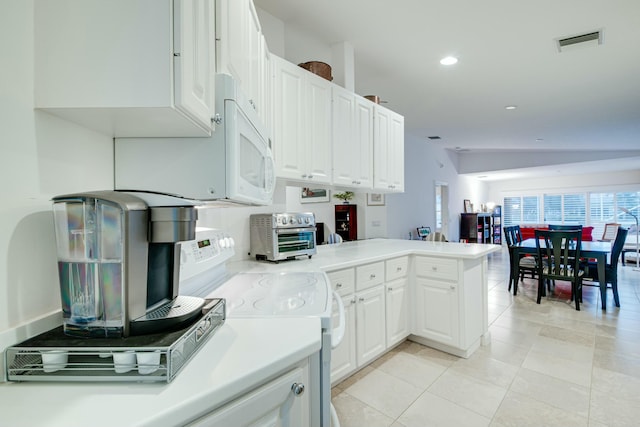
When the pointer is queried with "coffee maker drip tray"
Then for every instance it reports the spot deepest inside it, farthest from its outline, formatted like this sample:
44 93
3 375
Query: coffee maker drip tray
157 357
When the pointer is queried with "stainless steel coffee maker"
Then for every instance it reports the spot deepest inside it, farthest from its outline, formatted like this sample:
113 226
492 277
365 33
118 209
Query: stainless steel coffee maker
119 264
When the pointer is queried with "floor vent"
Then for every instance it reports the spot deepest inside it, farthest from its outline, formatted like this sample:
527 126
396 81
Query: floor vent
593 38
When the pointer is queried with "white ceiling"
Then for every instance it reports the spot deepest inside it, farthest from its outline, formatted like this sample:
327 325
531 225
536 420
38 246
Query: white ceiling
586 98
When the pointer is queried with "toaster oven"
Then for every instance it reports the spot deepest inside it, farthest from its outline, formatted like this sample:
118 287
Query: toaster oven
281 236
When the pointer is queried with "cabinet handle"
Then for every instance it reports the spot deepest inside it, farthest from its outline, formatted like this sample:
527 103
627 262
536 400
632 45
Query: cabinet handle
399 269
361 299
389 289
453 288
353 301
354 182
297 389
309 176
304 176
373 276
338 285
434 268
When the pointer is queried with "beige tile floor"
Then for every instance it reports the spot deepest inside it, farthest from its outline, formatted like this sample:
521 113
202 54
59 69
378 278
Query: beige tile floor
546 365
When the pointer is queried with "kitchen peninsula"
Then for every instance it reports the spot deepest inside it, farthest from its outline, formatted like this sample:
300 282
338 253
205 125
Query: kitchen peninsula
432 292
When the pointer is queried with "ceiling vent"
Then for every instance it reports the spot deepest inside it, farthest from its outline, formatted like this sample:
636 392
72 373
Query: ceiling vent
593 38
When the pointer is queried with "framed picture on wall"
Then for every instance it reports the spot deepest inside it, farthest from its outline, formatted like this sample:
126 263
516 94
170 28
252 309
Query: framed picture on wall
375 199
467 206
314 195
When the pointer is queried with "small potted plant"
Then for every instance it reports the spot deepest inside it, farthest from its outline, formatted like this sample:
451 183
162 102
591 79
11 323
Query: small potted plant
345 197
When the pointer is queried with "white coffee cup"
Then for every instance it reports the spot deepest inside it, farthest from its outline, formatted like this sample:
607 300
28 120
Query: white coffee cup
148 361
54 360
124 361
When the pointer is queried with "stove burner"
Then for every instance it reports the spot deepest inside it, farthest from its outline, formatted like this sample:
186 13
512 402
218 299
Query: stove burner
284 282
280 305
233 303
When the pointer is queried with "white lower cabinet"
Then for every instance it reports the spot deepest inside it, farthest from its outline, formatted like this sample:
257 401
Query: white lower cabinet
343 357
450 304
397 311
280 402
437 310
370 324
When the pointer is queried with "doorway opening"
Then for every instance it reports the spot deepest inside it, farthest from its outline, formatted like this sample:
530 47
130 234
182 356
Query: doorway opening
441 204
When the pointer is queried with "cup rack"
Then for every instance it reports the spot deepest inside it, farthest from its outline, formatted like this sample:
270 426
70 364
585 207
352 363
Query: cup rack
92 359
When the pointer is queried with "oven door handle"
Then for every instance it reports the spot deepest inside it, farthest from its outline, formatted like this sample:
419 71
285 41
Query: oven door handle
294 230
338 333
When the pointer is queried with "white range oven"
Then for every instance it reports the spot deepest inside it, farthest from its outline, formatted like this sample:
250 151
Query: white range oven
265 294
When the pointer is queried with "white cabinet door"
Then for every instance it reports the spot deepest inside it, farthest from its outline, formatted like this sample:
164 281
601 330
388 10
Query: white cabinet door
352 139
437 310
396 153
388 154
194 38
289 126
318 138
343 357
344 151
153 77
302 120
281 402
363 124
370 324
241 49
397 311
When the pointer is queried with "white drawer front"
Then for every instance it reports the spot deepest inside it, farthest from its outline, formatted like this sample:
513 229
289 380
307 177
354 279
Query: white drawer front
343 281
438 268
369 275
396 268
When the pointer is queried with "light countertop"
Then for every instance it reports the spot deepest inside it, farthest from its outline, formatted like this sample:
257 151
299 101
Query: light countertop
348 254
240 354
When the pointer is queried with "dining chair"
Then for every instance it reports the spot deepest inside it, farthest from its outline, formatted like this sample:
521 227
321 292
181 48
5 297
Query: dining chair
559 260
564 227
436 236
610 232
611 268
526 264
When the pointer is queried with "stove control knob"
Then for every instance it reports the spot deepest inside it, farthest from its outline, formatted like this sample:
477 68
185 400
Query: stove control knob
292 220
232 242
307 220
299 220
222 242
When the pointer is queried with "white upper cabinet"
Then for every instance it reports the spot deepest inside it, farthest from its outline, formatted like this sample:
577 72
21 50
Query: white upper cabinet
301 124
352 139
388 154
241 50
127 68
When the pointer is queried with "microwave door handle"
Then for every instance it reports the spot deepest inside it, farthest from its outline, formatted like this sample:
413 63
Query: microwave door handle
338 333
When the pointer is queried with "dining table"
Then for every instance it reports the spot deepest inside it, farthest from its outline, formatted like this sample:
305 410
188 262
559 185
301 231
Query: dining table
588 249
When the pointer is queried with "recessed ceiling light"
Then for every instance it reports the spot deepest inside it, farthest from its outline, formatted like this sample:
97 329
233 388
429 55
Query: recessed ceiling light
435 137
449 60
539 139
510 107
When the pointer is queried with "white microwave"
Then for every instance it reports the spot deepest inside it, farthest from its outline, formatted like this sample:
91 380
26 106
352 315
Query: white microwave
235 164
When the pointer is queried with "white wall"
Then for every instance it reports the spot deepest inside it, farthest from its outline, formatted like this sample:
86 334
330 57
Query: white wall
610 181
42 156
426 164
